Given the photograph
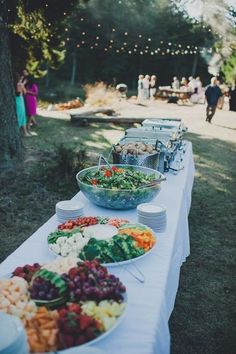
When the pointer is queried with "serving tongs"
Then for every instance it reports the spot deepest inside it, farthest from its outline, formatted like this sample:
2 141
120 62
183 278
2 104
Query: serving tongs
153 183
140 277
101 157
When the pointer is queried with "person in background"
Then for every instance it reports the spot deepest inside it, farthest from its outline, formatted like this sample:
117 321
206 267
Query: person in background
140 87
232 97
24 76
175 84
200 91
198 85
146 86
20 105
153 87
192 84
31 101
184 84
212 94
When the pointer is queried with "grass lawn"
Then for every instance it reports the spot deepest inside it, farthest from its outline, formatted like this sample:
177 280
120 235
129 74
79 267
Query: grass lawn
203 320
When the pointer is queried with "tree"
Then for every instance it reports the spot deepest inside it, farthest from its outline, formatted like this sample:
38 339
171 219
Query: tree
10 141
34 27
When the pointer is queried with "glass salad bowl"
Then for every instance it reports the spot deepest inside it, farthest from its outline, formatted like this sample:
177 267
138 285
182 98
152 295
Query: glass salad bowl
119 186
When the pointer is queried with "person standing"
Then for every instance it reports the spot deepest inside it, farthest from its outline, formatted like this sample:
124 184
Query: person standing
175 84
31 100
232 98
146 87
212 94
153 87
140 87
20 105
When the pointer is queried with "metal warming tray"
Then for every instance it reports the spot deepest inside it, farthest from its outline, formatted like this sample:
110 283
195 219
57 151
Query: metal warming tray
151 160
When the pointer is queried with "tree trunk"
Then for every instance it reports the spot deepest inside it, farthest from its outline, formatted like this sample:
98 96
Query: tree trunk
10 140
195 62
74 67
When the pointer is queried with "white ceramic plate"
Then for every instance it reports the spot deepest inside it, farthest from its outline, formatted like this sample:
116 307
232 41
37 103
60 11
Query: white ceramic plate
85 350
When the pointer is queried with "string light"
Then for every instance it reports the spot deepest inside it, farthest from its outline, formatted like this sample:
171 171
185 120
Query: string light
172 48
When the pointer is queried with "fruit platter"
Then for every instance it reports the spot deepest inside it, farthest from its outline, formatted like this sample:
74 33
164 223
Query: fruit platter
64 303
111 241
119 186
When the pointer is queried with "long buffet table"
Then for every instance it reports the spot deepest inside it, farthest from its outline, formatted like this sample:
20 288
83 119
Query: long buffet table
144 329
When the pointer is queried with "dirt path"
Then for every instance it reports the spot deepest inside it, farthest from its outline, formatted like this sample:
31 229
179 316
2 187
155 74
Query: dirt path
223 124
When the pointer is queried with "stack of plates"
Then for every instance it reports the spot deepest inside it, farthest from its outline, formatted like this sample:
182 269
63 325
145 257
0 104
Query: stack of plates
12 335
152 215
68 210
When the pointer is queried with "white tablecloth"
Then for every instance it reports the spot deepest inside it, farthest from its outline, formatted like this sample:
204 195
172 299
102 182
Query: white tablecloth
144 329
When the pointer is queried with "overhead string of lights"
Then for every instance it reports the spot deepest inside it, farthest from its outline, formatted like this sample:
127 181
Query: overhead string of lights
141 45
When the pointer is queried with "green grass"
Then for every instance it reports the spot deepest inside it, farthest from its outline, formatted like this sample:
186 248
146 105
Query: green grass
203 321
28 195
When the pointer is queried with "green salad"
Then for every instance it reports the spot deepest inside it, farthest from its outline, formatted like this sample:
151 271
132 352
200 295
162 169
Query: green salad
117 178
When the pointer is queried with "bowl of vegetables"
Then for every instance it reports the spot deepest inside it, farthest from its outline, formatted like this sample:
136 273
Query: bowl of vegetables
119 186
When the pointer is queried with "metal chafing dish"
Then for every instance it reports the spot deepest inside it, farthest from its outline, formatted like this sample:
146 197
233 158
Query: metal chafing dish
146 159
168 135
172 125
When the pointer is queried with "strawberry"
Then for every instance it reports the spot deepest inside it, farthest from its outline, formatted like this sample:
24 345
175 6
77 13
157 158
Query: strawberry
90 333
85 321
74 308
18 270
63 312
73 272
66 341
80 340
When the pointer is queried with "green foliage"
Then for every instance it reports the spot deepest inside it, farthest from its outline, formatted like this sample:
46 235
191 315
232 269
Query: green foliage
229 69
36 39
67 162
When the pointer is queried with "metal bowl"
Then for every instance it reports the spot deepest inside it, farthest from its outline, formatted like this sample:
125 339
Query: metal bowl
120 198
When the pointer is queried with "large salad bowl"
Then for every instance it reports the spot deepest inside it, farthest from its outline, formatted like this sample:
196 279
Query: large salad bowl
120 196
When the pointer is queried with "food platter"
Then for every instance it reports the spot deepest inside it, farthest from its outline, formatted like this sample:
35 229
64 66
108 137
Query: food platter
95 303
112 242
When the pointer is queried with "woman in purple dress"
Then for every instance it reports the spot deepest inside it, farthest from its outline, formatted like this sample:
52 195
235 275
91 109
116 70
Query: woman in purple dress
31 100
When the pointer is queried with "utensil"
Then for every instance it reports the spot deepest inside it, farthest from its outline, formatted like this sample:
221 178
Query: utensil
101 157
153 183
